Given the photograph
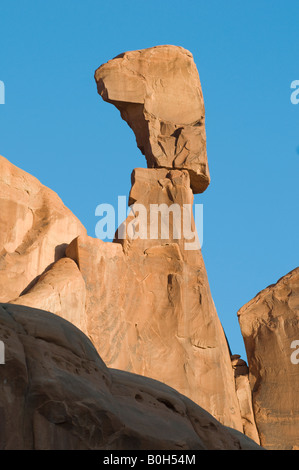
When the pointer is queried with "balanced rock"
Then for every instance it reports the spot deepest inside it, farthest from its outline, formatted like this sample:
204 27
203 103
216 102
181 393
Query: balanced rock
57 394
35 228
158 93
145 301
270 328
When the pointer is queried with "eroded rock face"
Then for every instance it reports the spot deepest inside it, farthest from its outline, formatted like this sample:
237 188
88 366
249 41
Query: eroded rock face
146 303
149 307
241 373
60 290
56 393
35 228
269 325
158 93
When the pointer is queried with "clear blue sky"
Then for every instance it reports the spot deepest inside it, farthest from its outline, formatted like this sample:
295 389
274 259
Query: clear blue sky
56 127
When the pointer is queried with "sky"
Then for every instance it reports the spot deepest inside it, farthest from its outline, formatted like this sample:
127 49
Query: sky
55 126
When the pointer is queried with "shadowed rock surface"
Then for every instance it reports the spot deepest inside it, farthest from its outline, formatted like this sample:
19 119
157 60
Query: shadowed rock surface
57 393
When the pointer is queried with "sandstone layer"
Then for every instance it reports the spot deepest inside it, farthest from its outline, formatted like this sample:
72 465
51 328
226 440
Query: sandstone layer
269 325
35 228
158 93
57 394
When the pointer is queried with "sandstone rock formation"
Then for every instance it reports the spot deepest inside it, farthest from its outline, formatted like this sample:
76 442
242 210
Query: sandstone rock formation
158 93
269 325
241 372
56 393
60 290
144 300
148 307
158 319
35 228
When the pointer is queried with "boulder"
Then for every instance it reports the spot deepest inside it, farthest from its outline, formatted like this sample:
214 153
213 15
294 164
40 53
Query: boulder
158 93
56 393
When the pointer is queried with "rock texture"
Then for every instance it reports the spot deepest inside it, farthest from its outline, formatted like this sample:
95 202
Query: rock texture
148 306
241 373
269 325
60 290
145 302
158 319
35 228
158 93
56 393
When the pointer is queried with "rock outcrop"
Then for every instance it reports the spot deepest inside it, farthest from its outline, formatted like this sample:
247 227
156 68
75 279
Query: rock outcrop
35 228
158 319
158 93
146 303
269 325
143 301
60 290
57 394
148 306
241 373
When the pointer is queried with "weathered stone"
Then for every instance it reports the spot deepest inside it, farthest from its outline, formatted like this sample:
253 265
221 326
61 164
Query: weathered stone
35 228
149 307
57 394
158 93
269 325
241 373
60 290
